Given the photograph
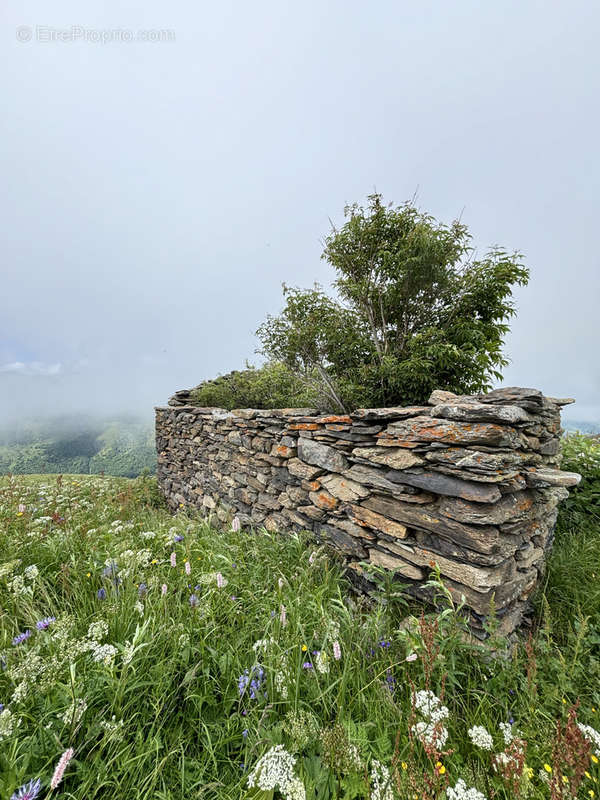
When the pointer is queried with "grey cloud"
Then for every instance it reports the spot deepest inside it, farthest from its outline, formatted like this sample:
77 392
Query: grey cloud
157 194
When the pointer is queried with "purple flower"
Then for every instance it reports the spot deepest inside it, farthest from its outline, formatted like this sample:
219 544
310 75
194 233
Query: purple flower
142 590
28 791
307 665
253 681
385 643
22 637
245 733
101 593
390 681
1 706
111 570
45 623
193 601
178 538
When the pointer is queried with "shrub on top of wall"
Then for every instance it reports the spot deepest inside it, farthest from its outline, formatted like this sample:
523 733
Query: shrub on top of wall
412 310
271 386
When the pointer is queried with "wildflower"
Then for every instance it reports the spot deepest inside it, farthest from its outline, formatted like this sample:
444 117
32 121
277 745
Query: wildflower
430 734
173 559
61 767
101 593
74 712
98 631
252 680
283 616
21 637
312 557
139 607
221 581
31 572
304 648
236 524
28 791
337 652
163 589
390 681
592 735
22 508
7 723
430 706
381 783
104 654
385 643
245 733
507 732
460 792
481 737
411 657
307 665
548 768
188 568
440 768
45 623
193 600
142 590
275 770
177 538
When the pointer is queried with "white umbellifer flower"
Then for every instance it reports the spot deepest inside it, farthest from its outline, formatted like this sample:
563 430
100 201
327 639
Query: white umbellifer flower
261 645
322 662
139 607
74 712
280 684
31 572
430 706
98 631
592 735
431 734
148 534
104 654
507 732
275 770
481 737
128 652
7 723
460 792
381 784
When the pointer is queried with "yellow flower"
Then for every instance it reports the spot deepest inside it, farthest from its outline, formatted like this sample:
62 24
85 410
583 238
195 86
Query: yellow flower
19 513
565 779
304 648
530 772
154 561
442 769
89 574
587 774
564 701
591 793
594 758
404 765
547 767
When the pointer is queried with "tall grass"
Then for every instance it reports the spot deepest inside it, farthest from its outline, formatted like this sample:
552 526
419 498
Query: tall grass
179 692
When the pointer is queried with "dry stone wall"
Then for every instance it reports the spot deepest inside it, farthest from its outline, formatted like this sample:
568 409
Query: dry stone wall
470 483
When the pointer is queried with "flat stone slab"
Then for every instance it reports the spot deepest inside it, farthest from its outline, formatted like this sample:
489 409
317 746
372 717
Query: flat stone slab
437 483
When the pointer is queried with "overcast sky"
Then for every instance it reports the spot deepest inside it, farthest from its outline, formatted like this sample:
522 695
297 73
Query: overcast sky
157 193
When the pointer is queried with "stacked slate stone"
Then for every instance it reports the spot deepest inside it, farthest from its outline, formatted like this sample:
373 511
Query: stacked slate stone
470 483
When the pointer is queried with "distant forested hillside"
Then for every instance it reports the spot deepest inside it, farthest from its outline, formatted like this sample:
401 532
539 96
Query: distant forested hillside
121 445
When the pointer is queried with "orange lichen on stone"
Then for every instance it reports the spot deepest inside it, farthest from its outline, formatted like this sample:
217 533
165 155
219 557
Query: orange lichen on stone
304 426
336 418
324 500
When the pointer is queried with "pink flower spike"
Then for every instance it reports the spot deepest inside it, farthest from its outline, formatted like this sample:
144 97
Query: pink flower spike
337 651
61 767
283 617
411 657
163 590
236 524
22 508
220 580
188 568
173 559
